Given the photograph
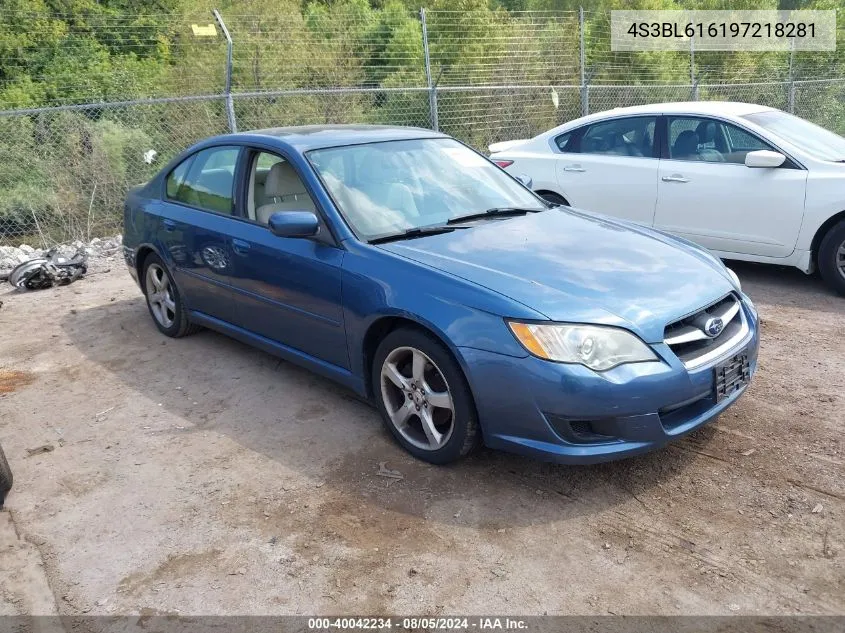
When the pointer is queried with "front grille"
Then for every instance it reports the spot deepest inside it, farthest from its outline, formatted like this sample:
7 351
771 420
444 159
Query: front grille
704 336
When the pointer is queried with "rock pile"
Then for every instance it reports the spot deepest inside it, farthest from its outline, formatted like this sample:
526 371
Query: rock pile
98 249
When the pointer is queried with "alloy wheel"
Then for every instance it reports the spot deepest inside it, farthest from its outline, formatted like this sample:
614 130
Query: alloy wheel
840 259
417 398
160 296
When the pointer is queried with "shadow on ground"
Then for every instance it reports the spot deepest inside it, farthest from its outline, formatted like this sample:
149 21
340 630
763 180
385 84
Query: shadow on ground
786 286
324 432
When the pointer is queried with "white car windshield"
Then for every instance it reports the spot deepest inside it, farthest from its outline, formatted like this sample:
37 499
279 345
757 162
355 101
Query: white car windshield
813 139
391 187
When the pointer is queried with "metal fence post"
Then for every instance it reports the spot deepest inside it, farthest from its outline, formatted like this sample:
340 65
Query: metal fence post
585 89
790 99
230 104
692 80
432 87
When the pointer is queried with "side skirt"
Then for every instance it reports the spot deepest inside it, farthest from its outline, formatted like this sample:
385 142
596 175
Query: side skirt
332 372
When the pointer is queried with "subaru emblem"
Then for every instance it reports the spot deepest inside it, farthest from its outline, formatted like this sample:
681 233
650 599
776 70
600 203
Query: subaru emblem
713 327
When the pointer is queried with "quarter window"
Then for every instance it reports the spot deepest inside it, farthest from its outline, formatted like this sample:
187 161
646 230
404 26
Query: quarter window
206 180
563 142
631 136
708 140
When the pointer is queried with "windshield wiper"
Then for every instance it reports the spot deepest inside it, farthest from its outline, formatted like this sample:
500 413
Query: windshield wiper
494 212
419 231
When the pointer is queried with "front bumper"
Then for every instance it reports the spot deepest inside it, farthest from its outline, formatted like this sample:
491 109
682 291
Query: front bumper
571 414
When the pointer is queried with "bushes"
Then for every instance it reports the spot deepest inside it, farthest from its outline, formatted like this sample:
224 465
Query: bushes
68 175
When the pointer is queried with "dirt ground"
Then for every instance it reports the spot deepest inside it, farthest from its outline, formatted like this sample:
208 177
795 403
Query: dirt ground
200 476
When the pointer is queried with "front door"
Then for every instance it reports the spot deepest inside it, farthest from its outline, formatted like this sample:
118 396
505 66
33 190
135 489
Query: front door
706 193
288 289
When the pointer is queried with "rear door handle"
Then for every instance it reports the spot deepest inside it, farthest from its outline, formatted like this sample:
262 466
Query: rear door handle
169 225
574 168
674 178
240 247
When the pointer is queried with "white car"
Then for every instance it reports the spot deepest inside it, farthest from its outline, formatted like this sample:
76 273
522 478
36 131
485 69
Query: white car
746 181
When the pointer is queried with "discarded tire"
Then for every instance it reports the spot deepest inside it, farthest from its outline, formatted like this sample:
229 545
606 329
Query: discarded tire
5 477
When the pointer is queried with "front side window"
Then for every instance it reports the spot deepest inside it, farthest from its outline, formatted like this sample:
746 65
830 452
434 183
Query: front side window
813 139
274 186
206 180
709 140
389 187
632 136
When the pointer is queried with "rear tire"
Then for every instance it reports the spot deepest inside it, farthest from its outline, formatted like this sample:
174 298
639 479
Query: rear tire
831 258
6 478
423 397
163 300
548 196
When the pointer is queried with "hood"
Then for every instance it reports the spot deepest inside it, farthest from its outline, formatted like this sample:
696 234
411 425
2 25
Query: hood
576 267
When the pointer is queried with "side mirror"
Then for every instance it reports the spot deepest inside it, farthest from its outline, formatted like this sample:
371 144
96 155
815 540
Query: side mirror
294 224
525 180
764 158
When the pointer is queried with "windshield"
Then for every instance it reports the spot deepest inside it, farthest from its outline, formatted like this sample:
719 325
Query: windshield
392 187
813 139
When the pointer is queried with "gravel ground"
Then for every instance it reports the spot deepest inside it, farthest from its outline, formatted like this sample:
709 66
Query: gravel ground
200 476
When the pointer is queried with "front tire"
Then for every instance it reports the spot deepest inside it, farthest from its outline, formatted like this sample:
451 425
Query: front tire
163 299
423 397
831 258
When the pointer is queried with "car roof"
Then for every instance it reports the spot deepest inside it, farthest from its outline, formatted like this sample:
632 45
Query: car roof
712 108
307 137
733 108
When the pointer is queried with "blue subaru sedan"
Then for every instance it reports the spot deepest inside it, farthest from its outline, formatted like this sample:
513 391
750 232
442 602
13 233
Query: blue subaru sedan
408 267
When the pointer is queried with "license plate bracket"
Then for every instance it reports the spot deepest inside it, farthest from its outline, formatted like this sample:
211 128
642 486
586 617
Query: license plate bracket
731 376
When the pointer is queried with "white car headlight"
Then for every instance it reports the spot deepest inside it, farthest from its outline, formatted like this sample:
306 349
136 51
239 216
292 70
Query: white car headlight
735 278
594 346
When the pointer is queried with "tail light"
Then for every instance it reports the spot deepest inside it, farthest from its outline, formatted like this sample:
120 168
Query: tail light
503 163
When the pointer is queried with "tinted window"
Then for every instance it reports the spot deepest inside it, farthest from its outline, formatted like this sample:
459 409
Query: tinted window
633 136
209 180
708 140
563 141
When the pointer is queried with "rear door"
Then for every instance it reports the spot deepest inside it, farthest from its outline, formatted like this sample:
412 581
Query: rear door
196 215
707 194
287 289
611 167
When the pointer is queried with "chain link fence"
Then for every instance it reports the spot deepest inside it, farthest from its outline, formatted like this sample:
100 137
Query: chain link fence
481 78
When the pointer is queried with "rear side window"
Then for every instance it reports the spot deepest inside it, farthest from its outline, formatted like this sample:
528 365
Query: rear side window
206 180
631 136
177 177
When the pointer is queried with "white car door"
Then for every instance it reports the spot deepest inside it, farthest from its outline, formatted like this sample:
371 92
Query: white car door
706 193
611 167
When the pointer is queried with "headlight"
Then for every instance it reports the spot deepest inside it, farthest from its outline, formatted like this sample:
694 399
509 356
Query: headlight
735 278
595 346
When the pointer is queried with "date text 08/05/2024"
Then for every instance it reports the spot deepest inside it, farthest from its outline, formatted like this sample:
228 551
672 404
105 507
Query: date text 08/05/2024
417 623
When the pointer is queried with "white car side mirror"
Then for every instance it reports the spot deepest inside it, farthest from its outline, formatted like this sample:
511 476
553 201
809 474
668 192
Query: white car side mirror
764 158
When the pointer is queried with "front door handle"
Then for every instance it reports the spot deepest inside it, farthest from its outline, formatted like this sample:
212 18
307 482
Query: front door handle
169 225
674 178
574 168
240 247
